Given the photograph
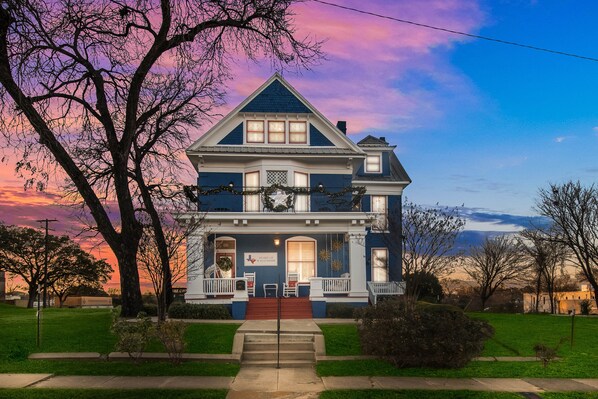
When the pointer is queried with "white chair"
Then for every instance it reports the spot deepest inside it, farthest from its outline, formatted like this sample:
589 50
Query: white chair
250 283
290 286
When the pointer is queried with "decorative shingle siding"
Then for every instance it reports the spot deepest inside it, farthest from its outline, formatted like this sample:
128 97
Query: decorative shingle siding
235 137
317 139
276 99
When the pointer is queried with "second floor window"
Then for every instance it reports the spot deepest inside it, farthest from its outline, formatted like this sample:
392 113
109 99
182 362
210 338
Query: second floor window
252 182
380 208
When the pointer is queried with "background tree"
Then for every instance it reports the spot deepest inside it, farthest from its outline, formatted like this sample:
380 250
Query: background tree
429 287
573 209
545 258
428 244
495 262
80 270
106 92
22 252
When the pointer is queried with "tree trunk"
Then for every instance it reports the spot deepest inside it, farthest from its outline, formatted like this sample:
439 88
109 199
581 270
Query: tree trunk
32 293
132 302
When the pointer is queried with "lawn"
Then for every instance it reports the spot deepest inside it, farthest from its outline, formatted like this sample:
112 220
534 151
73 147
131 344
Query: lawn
515 336
111 393
415 394
88 330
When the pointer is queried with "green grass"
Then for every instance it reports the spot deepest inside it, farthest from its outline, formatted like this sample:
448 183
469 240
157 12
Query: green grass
111 394
416 394
515 336
88 330
341 339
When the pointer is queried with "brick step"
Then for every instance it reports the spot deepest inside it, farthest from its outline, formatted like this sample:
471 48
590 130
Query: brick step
267 308
284 355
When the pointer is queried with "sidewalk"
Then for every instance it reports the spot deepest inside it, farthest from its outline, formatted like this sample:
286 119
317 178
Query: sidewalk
295 380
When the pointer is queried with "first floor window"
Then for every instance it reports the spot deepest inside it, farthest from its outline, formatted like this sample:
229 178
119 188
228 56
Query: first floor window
301 259
252 182
380 209
380 264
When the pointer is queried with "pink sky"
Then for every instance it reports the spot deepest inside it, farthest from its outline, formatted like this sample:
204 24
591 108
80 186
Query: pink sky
366 57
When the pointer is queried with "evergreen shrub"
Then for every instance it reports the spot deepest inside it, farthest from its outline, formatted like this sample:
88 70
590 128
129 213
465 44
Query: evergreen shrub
198 311
340 311
424 335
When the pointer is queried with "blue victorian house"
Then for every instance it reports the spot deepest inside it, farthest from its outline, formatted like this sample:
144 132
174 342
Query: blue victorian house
290 206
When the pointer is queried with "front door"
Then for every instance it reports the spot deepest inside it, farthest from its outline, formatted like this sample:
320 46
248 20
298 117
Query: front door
226 273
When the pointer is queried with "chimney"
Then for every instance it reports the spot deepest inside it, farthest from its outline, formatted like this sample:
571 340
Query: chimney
383 139
342 126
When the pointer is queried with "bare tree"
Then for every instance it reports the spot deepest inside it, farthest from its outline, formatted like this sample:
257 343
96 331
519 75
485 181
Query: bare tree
545 256
495 262
428 240
106 92
150 262
573 210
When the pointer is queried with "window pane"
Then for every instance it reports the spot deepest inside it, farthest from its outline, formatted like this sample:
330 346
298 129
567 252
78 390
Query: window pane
380 265
372 163
379 207
276 132
301 257
255 131
298 132
252 182
301 200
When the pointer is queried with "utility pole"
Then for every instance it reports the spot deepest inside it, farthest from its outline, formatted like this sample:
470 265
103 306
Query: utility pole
45 282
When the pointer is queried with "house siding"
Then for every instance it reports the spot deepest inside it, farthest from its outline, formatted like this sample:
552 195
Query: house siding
235 137
223 201
332 183
317 139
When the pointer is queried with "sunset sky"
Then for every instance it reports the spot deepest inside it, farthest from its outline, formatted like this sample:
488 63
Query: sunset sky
475 123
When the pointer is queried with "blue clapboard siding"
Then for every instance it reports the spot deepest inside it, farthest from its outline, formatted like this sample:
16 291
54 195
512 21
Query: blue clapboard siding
317 139
332 183
223 201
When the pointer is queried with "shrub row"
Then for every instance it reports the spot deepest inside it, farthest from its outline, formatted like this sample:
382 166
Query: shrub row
197 311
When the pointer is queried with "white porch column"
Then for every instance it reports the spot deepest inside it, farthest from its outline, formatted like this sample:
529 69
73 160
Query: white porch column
195 266
357 264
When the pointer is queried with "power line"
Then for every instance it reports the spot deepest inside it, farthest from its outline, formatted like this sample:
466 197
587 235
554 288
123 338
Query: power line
456 32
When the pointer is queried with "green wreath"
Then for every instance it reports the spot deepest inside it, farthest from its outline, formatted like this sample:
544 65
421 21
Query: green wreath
224 264
269 202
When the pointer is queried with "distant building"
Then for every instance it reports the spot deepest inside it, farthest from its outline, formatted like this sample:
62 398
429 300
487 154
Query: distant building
564 302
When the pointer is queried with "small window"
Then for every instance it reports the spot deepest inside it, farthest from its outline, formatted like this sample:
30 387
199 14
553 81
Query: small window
380 264
276 132
373 164
297 132
255 131
380 208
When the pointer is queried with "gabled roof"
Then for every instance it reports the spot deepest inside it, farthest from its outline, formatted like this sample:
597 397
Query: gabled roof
276 95
371 141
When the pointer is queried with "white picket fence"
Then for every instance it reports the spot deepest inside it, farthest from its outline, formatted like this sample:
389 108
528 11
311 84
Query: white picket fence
219 286
336 285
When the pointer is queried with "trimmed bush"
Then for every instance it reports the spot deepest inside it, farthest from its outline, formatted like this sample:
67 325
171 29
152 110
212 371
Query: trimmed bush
132 336
340 311
197 311
423 335
172 335
150 309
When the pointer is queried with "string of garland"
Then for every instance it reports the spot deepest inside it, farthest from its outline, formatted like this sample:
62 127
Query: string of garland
357 193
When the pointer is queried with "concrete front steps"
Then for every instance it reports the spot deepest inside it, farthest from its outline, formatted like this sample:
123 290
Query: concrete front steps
267 308
296 350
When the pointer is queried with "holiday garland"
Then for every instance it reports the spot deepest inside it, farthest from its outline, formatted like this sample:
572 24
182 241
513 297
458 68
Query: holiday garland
336 197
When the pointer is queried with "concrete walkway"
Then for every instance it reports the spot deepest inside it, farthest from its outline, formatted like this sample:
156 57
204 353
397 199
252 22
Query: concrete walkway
295 383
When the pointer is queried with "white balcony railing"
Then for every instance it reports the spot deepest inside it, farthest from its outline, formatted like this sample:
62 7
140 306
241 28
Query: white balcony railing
340 285
377 289
219 286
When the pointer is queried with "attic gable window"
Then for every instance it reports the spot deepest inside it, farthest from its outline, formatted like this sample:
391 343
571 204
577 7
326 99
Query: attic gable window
373 164
297 132
255 131
276 132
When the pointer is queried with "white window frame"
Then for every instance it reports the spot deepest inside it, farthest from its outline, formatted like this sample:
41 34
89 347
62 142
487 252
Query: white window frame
302 277
374 262
251 203
380 223
366 163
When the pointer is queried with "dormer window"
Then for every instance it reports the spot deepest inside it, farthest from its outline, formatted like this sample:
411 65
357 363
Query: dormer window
297 132
255 131
276 132
373 164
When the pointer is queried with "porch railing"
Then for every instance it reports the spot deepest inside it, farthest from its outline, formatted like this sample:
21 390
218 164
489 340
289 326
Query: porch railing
219 286
378 289
336 285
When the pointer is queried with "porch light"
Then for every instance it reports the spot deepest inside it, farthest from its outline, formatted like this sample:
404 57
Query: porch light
276 242
320 186
231 184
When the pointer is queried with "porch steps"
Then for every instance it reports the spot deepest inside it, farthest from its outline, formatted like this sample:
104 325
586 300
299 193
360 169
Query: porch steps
267 308
296 350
